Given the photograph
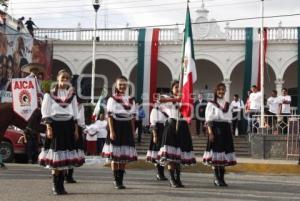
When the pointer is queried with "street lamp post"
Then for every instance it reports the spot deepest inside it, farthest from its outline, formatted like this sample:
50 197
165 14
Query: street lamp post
96 5
262 65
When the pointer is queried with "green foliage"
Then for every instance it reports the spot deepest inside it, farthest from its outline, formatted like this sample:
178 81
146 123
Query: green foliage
45 85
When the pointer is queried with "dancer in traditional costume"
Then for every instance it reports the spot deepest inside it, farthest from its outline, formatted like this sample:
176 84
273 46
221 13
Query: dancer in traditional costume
120 147
176 146
60 113
220 149
157 121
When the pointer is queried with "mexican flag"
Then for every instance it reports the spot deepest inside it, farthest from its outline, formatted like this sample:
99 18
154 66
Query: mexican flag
189 75
298 72
252 59
147 68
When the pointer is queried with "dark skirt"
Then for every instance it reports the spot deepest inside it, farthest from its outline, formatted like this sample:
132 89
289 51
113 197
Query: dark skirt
177 145
79 142
152 153
122 149
62 151
221 151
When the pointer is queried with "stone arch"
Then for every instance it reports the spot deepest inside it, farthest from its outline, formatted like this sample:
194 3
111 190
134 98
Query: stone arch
241 58
164 76
290 81
208 75
237 80
108 57
58 65
163 60
213 60
106 73
65 61
287 64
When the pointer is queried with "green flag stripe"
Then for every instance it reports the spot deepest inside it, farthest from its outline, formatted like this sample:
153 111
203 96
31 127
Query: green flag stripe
248 62
298 78
140 65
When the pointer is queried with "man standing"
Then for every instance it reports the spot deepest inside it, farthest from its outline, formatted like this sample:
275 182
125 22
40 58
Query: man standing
238 106
140 115
285 108
200 106
29 24
33 138
254 100
273 103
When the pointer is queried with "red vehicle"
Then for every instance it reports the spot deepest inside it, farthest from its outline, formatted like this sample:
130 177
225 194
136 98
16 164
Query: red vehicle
12 144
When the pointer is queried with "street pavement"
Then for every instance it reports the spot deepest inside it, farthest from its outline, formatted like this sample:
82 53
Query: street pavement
22 182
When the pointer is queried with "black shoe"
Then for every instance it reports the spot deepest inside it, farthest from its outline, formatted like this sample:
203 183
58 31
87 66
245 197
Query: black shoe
299 162
69 177
55 187
177 176
116 178
217 182
160 173
173 183
2 165
117 182
161 177
172 180
222 173
121 173
61 183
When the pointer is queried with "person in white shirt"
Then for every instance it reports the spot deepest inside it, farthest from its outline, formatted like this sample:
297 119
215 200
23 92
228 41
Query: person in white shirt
102 132
255 104
238 105
60 114
96 134
285 108
273 103
158 118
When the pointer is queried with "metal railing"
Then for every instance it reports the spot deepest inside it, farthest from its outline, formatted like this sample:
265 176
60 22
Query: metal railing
274 124
166 34
279 125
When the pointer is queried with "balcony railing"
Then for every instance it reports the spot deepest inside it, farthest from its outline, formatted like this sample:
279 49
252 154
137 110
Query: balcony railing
170 34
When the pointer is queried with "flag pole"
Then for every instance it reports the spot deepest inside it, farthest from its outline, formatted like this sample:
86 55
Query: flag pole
262 64
181 69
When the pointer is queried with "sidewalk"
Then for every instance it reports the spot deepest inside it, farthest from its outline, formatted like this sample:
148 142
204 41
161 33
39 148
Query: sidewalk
244 165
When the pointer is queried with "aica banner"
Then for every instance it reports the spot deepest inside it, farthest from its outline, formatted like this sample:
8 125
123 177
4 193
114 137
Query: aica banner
24 94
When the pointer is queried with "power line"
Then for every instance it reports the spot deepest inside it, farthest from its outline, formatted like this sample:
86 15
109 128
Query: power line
177 24
128 7
72 1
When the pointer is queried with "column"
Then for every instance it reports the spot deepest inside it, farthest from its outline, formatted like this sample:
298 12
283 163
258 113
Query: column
279 85
78 32
227 83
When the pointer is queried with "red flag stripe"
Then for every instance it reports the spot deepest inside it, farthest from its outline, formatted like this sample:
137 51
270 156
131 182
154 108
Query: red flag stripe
154 64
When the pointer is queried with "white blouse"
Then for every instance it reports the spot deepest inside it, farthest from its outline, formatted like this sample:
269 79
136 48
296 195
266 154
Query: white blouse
156 116
97 130
171 109
114 107
52 109
81 118
213 113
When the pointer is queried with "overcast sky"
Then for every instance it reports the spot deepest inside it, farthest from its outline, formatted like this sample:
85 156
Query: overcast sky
117 13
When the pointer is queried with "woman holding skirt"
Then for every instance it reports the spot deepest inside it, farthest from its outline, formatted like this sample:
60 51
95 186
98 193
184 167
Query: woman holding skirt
220 149
60 113
176 147
120 147
157 121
